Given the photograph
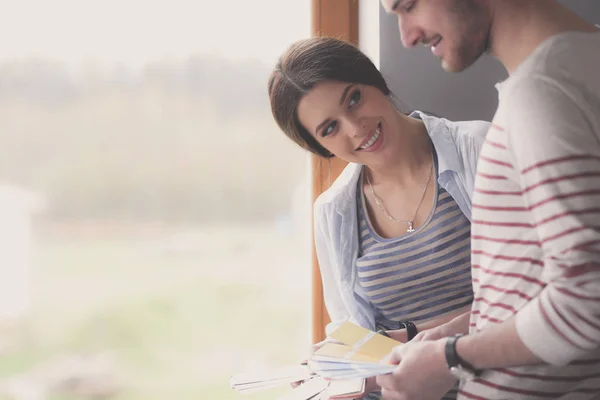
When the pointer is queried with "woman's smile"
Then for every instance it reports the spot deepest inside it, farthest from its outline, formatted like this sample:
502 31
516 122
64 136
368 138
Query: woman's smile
373 141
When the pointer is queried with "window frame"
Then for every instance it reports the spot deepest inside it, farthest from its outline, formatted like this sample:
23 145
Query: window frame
334 18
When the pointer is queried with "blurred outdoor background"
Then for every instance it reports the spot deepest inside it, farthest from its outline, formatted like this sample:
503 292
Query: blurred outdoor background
154 222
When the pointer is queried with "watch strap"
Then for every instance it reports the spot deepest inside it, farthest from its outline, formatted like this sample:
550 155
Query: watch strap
452 357
411 329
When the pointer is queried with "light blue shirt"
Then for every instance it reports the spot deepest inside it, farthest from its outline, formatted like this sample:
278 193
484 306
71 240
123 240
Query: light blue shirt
457 146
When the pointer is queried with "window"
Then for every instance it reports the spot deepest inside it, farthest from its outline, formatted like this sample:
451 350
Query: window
155 222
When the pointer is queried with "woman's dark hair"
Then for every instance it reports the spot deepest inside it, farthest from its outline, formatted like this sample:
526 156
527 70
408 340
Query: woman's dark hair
305 64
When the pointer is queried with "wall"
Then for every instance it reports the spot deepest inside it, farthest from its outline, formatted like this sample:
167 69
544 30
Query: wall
416 77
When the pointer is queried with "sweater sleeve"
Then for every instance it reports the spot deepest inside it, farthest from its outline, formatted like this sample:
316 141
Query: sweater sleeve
556 150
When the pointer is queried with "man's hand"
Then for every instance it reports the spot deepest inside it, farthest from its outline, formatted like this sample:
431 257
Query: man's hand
422 372
436 333
457 325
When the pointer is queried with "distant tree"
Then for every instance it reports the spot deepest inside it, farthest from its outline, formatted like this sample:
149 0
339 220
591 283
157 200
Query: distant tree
179 141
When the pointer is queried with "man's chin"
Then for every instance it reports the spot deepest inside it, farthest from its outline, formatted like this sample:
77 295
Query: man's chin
450 66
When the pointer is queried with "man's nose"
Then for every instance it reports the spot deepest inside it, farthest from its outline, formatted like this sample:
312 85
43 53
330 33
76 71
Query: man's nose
410 35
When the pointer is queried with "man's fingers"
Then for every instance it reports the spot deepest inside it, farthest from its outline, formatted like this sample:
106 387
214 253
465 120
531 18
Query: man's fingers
391 386
433 334
389 381
387 394
371 385
396 355
384 381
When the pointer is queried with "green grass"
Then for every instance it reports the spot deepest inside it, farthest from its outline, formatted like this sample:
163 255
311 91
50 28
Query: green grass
177 326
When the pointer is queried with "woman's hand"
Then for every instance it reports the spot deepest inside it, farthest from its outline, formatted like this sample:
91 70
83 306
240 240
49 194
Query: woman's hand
400 335
313 349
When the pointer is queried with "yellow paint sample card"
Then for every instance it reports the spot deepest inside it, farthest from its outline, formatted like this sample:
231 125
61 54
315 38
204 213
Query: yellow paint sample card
335 351
364 341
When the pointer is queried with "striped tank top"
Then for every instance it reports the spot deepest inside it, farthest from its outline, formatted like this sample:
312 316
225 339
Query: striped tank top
421 275
418 276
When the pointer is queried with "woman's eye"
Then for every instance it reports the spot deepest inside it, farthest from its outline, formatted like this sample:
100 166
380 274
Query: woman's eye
329 129
354 99
408 6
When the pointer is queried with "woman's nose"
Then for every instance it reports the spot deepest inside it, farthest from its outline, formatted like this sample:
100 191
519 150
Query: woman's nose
358 128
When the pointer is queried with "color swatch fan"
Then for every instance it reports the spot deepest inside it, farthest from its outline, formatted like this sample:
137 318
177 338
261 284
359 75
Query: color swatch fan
353 352
337 369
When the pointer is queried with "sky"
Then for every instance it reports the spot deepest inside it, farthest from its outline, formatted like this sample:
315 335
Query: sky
132 32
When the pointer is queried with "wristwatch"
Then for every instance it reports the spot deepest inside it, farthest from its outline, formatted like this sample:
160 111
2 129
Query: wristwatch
411 329
458 367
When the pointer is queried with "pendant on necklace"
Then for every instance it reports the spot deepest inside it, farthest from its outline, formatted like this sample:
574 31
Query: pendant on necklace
410 227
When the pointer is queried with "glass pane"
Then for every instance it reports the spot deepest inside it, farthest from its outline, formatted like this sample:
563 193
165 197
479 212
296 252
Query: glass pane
154 222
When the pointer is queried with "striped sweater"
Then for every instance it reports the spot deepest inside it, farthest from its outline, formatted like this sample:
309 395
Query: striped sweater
536 223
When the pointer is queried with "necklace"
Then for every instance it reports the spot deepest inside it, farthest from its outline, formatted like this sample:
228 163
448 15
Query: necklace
382 208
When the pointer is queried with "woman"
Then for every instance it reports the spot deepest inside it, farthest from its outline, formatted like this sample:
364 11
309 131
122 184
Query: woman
393 231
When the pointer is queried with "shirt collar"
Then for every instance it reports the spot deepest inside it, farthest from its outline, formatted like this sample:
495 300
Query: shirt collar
443 142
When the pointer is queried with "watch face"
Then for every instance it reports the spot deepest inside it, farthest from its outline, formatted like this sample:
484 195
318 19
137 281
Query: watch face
462 373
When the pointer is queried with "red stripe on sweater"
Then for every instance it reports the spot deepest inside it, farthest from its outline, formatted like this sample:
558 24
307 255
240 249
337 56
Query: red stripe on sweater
554 378
583 247
576 295
485 316
505 291
561 178
495 144
584 319
565 196
496 208
565 321
508 258
489 176
470 395
494 161
523 392
560 160
509 274
508 241
500 305
564 233
553 326
504 224
497 127
498 192
566 214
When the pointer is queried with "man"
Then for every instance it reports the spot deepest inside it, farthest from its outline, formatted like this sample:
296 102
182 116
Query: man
534 329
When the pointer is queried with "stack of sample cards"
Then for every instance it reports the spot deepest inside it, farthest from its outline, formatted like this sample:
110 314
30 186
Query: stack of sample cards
311 386
265 379
337 369
353 352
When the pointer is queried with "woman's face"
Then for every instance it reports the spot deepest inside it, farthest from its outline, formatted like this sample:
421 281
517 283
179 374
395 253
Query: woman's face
356 122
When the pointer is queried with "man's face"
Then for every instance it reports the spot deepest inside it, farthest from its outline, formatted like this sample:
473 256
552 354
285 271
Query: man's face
457 31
